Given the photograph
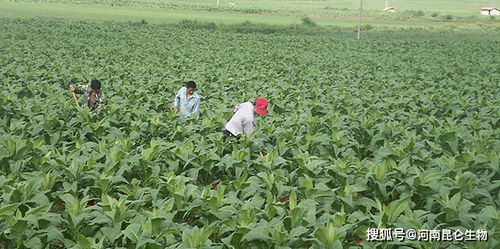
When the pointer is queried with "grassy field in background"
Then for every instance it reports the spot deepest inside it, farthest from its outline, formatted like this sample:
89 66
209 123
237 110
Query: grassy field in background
94 12
107 13
458 7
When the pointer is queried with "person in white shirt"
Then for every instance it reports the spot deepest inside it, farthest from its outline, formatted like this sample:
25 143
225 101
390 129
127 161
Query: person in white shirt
187 101
243 121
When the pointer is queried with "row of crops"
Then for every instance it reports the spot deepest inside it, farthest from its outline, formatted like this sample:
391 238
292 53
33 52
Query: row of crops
219 6
281 7
410 12
375 133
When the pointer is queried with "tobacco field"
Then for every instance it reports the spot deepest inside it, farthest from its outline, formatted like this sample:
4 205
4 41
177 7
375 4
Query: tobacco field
381 132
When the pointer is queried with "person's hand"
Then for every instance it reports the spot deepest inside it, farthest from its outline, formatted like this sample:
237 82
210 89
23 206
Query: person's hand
72 88
176 109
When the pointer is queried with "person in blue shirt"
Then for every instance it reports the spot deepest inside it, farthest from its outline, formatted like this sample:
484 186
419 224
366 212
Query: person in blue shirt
187 101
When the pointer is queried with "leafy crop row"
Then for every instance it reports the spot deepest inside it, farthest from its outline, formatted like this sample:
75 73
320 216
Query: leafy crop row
263 7
421 10
372 133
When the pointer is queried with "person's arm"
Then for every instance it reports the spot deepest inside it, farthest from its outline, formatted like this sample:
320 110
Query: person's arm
176 101
236 108
76 89
196 108
102 102
248 126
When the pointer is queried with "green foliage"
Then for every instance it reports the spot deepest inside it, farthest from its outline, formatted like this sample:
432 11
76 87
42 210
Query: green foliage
366 27
308 21
401 134
415 13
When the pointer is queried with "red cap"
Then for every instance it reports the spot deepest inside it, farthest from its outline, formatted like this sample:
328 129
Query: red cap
261 106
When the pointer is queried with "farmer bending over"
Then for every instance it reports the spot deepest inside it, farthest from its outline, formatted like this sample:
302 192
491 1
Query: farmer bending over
187 101
243 118
93 98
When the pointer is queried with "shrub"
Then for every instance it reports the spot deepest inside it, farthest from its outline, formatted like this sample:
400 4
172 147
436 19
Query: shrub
308 21
195 24
414 13
366 27
419 13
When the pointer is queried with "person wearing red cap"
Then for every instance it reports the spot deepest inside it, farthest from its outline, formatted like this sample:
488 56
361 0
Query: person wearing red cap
242 121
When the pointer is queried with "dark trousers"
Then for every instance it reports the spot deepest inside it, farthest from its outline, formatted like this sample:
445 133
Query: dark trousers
227 134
